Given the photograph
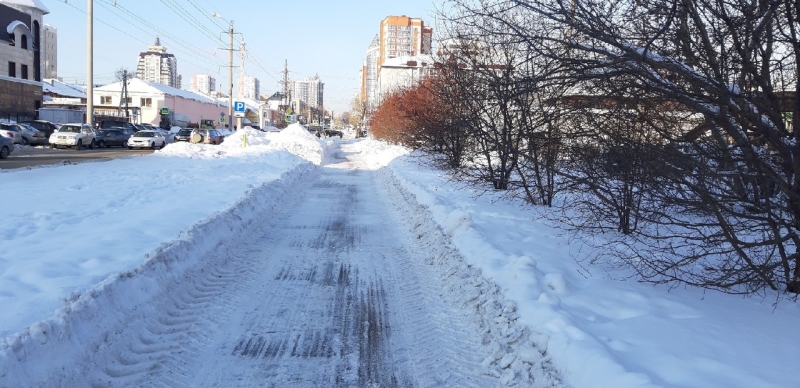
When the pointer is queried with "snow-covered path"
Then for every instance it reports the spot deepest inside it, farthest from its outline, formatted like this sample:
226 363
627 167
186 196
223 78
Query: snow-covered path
328 292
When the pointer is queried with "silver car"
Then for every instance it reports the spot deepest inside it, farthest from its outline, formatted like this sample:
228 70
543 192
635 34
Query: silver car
31 135
12 131
6 147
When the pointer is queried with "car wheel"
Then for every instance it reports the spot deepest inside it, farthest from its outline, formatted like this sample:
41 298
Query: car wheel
4 152
91 145
130 148
24 141
163 144
101 144
53 146
152 145
79 145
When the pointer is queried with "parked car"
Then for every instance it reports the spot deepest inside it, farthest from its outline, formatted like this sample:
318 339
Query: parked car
112 138
12 131
31 135
184 135
6 147
118 124
333 132
43 125
73 135
147 139
206 136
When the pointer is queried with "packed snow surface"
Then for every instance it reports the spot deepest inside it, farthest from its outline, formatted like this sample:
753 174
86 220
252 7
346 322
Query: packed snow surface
280 259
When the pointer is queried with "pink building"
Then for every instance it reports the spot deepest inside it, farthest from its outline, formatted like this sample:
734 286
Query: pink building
146 99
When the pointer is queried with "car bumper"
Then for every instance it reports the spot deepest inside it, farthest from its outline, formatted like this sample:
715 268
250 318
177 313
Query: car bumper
68 142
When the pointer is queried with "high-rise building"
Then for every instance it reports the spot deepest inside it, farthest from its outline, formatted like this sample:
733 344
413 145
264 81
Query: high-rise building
403 36
309 91
250 87
369 73
156 65
50 51
399 36
203 83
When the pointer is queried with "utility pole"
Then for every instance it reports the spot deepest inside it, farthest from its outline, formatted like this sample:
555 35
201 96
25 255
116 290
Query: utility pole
230 77
89 62
241 79
124 95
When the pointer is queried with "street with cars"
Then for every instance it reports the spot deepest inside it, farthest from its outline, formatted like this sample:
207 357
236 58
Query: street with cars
41 142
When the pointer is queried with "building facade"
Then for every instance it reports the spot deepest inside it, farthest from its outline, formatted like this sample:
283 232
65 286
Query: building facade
50 51
145 100
20 59
156 65
310 91
401 37
369 73
250 87
203 83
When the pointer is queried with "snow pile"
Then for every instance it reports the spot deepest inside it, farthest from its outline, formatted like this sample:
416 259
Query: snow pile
596 331
293 139
378 154
89 316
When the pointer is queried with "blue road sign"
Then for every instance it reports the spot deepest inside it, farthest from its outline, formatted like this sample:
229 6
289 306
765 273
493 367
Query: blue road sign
238 106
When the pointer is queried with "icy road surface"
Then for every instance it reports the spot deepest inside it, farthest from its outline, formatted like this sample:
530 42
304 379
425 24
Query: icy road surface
331 291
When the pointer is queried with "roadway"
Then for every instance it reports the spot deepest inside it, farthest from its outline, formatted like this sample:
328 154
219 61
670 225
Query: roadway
40 157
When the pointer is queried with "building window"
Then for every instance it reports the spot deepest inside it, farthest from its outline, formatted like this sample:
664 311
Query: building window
12 69
24 72
105 100
147 102
24 41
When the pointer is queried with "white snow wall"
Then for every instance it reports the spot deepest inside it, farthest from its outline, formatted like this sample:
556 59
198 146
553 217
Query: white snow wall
47 351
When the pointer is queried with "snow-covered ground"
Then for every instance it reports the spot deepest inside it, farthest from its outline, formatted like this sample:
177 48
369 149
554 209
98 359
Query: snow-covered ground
185 266
602 332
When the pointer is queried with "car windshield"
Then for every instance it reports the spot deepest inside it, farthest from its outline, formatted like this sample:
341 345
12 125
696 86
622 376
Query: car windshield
143 134
70 128
185 131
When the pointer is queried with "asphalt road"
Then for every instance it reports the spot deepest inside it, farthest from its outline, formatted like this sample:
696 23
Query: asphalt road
65 156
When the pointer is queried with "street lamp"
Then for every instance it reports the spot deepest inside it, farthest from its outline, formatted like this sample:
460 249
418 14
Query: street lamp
230 70
89 63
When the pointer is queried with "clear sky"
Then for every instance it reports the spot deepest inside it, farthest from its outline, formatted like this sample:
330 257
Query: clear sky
325 37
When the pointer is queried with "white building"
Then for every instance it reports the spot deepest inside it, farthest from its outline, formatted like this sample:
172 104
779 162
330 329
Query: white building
50 51
403 73
249 87
370 82
156 65
203 83
309 91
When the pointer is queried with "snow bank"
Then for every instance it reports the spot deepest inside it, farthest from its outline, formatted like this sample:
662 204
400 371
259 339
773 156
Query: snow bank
594 330
294 139
89 316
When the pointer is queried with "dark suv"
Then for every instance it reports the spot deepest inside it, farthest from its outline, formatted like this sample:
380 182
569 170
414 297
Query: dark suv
117 124
43 125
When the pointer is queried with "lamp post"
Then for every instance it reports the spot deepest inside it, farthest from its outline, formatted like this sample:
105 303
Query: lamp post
89 63
230 70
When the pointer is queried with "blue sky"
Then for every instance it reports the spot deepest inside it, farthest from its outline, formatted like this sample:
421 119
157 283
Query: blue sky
328 38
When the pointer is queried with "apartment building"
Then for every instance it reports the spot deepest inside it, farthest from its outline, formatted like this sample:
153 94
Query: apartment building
309 91
249 87
156 65
399 37
403 36
50 51
204 84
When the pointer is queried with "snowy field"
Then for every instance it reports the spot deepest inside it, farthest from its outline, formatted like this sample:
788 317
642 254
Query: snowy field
91 249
